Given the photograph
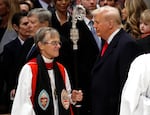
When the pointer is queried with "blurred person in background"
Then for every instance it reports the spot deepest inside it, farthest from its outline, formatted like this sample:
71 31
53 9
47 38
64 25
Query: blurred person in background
61 14
31 2
134 8
144 41
38 17
24 6
13 51
107 2
46 4
7 34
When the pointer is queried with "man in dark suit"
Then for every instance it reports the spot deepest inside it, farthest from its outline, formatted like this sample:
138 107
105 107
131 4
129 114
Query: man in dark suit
46 4
110 70
38 17
12 51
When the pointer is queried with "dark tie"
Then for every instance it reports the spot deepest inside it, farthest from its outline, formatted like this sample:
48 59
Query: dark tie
104 48
49 66
97 39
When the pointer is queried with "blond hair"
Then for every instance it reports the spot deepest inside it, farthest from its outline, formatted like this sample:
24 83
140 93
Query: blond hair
14 8
145 16
134 8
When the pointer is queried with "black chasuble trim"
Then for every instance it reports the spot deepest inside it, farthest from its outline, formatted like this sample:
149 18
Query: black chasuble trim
43 102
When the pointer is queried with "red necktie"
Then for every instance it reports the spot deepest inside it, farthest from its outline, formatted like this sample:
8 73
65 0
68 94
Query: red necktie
104 48
49 66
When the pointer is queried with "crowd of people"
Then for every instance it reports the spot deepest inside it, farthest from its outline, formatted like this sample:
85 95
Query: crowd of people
41 72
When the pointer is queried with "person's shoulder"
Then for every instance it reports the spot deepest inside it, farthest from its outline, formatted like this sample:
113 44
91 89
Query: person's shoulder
124 34
32 62
31 65
31 39
147 38
11 43
144 58
125 39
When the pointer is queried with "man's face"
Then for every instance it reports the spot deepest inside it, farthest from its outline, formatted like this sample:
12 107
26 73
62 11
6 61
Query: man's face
35 24
89 5
23 29
106 2
101 25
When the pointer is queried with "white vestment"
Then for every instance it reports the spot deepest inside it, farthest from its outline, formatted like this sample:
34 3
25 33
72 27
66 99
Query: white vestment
22 104
135 98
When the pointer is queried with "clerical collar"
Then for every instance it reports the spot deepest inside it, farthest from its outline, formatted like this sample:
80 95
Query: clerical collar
46 60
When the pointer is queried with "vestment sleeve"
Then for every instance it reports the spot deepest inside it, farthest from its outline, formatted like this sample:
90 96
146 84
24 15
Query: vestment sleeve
22 104
135 98
68 87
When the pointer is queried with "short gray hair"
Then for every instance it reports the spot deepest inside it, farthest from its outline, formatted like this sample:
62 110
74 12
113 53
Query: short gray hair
40 34
42 14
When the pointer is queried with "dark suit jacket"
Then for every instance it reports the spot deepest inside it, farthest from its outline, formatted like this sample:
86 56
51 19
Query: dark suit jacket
56 24
10 60
144 44
110 72
80 62
38 5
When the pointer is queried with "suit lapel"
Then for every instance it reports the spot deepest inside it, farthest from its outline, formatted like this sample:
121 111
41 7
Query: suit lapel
108 52
17 43
81 25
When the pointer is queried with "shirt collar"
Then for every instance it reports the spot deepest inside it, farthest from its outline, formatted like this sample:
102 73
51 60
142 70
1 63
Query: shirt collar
112 35
86 20
21 41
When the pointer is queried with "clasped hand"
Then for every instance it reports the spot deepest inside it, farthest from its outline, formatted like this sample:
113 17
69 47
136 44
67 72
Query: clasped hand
77 95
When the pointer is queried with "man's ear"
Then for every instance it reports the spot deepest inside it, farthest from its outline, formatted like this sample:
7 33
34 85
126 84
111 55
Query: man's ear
111 24
16 28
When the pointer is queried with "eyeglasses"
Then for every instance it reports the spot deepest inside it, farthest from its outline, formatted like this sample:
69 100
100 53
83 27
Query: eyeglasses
106 0
54 43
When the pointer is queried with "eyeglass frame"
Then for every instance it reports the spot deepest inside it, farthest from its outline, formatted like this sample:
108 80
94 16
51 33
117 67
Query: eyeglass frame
54 43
